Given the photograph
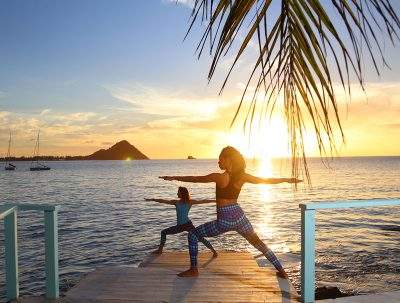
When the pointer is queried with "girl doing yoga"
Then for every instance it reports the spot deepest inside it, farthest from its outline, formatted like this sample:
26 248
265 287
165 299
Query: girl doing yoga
182 207
230 216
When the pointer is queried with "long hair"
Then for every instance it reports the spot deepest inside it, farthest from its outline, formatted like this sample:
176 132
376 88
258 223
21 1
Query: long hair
184 193
237 160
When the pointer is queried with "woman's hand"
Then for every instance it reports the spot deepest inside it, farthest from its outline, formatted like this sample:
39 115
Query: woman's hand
167 178
293 180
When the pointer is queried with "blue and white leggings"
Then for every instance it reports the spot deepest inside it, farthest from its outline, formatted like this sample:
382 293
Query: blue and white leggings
229 218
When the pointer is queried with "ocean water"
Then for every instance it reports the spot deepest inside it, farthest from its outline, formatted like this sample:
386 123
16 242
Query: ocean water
104 219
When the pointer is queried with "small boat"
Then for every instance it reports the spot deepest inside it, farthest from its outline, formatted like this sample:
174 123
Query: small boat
39 166
191 158
9 165
36 165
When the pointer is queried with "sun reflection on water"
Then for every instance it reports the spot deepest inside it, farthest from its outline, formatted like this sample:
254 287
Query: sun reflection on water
264 169
266 230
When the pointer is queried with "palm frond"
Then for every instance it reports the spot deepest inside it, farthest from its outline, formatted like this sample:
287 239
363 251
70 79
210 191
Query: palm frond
303 45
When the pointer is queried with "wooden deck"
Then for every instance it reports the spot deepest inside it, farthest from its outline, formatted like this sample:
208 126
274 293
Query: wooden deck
231 277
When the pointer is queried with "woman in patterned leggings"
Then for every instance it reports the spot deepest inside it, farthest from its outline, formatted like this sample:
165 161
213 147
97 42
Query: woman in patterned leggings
230 216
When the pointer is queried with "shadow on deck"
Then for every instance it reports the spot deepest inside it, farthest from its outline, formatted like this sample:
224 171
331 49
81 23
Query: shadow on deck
231 277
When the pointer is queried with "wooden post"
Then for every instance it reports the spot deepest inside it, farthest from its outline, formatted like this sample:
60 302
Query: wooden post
11 254
307 255
51 254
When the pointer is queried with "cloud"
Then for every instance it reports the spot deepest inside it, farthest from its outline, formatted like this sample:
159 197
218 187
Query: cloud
184 123
45 111
188 3
165 102
49 121
4 115
395 126
107 143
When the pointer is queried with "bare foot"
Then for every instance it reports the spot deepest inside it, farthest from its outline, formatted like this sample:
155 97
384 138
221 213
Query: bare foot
157 252
282 274
192 272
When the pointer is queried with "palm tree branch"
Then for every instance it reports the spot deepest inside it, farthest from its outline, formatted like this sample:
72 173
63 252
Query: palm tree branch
293 58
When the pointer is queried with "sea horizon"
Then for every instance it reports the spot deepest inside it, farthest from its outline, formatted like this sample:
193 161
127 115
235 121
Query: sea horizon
62 158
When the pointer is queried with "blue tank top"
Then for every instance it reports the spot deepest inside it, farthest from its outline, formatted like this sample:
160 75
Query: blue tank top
182 212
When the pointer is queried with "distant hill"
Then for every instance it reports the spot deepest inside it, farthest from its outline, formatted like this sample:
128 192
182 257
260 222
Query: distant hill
119 151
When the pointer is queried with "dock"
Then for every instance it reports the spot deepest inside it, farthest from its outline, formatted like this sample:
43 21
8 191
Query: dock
231 277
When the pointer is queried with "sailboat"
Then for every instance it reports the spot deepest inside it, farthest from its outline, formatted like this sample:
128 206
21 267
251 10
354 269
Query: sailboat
36 165
9 165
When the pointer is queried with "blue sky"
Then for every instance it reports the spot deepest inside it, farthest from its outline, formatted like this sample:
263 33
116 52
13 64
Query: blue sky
89 73
61 53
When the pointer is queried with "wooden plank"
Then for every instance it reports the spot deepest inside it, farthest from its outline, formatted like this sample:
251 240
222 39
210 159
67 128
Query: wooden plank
220 280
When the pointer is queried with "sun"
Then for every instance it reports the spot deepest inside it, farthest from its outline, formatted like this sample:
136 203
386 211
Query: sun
265 141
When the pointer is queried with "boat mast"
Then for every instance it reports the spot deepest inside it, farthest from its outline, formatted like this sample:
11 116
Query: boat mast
9 149
37 151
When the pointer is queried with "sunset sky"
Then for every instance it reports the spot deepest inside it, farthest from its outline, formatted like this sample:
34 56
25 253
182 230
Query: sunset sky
91 73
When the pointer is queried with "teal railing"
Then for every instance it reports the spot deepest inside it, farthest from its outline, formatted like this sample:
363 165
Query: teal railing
308 237
9 214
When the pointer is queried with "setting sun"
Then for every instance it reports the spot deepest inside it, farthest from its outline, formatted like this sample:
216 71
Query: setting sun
264 142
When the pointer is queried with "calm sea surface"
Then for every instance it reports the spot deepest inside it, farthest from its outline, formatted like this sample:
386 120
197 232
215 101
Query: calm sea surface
104 219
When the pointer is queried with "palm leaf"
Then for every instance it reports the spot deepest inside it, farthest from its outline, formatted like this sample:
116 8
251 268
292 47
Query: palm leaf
300 51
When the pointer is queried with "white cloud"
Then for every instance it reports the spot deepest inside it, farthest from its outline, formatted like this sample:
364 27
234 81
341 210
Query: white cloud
4 114
148 100
45 111
189 3
49 122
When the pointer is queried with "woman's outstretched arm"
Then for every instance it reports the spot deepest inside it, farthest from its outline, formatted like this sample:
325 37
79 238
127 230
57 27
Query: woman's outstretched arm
164 201
258 180
214 177
202 201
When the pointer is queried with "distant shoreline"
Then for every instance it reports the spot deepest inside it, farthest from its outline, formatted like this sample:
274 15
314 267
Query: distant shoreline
56 158
86 158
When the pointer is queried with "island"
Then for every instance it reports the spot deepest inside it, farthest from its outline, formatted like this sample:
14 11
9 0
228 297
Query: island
122 150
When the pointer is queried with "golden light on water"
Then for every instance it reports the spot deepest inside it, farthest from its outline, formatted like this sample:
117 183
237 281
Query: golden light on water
128 159
264 169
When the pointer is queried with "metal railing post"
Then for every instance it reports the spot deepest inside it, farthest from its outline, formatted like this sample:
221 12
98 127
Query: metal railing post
11 254
51 253
307 254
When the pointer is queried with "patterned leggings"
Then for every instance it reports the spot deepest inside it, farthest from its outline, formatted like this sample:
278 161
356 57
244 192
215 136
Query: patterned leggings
177 229
229 218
